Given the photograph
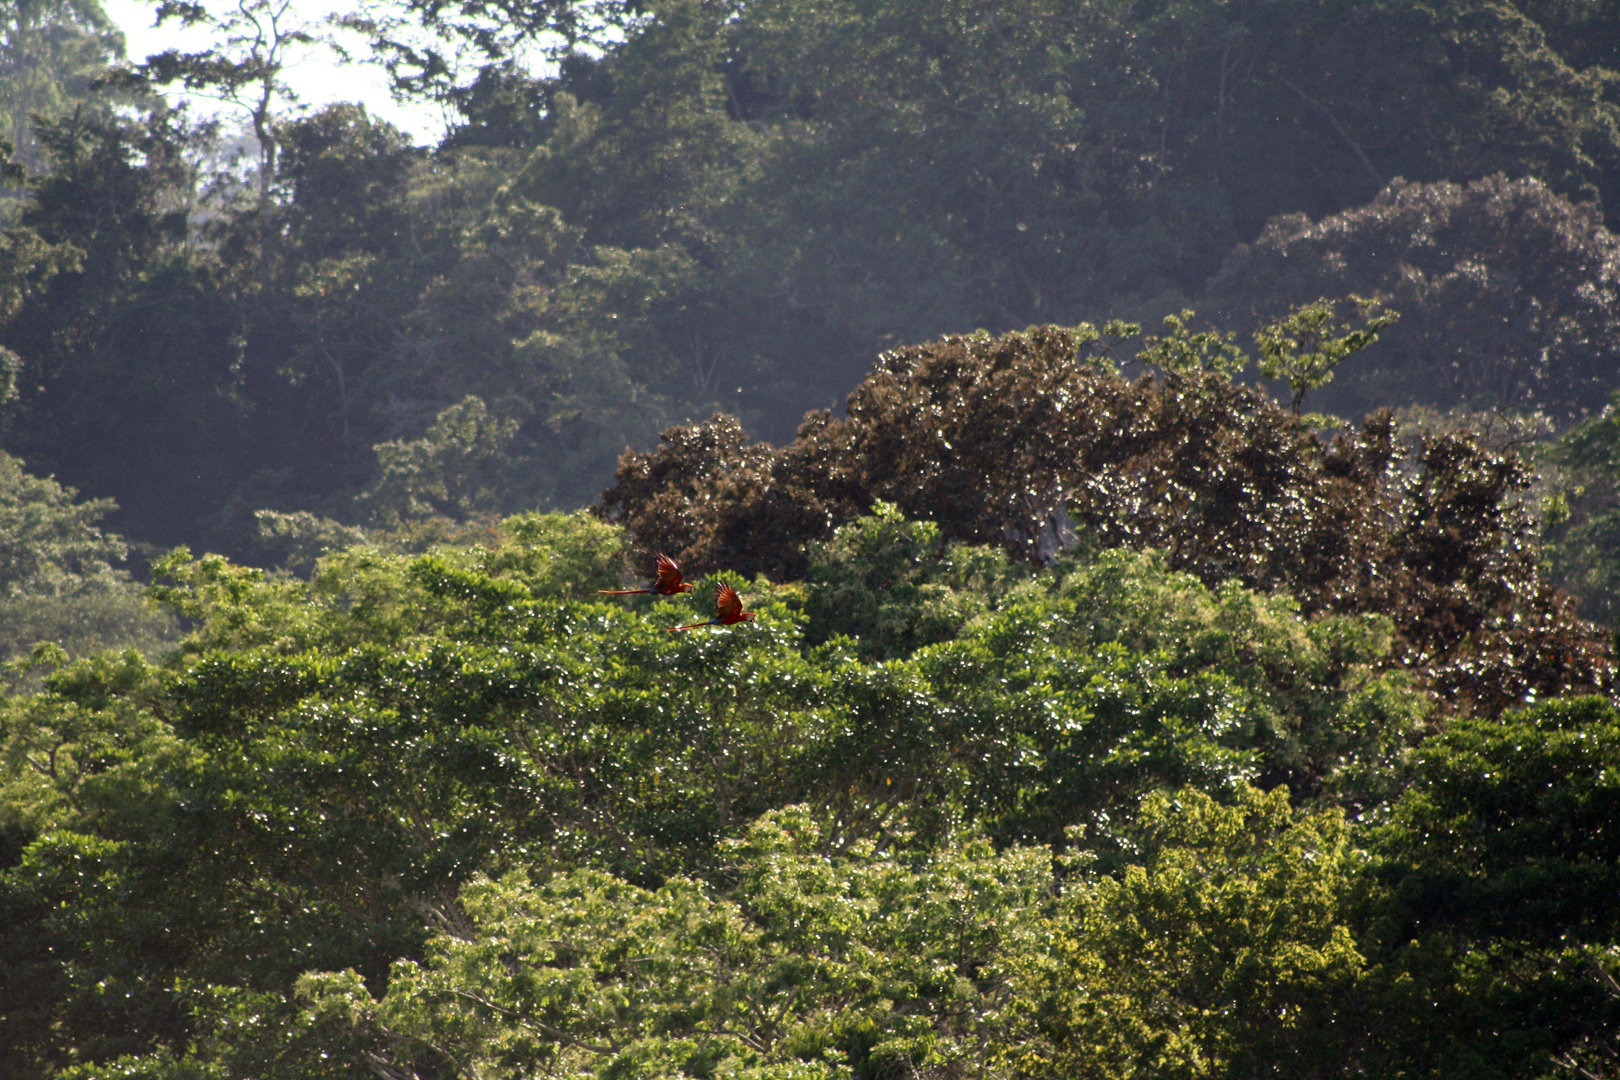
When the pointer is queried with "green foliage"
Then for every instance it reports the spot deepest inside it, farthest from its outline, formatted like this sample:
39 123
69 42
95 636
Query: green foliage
449 811
1318 693
894 586
526 726
562 556
79 751
1182 350
864 963
108 612
86 782
447 471
51 542
58 582
296 541
1507 819
1306 347
1226 949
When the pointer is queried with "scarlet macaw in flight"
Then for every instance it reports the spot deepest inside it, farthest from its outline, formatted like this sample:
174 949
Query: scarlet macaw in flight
727 610
667 582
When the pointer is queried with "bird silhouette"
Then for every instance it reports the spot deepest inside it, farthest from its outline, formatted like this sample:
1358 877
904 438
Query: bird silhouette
666 582
727 611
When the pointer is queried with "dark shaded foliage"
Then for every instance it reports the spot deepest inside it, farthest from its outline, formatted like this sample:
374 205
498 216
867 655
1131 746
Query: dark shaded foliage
1509 294
1019 442
1503 867
121 336
1581 514
343 170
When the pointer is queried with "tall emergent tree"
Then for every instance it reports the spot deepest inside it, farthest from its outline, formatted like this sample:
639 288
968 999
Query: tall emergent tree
50 53
254 41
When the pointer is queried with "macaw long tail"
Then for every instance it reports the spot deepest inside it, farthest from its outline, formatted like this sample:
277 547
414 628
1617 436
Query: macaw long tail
622 592
691 626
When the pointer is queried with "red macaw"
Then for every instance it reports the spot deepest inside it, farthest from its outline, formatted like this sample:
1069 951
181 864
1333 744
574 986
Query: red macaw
727 610
667 582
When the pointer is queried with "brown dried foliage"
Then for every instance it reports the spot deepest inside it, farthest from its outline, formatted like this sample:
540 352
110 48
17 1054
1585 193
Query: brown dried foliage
1020 441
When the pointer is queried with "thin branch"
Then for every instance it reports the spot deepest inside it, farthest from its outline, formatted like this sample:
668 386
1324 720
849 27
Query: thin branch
543 1028
1343 134
1604 977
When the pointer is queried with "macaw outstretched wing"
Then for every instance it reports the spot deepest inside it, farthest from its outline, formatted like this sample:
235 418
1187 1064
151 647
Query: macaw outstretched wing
668 580
727 605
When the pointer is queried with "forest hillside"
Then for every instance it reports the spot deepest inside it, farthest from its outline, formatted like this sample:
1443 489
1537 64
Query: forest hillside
815 539
699 206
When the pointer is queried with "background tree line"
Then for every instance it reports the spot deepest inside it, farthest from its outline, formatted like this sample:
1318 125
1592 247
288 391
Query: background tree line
738 205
